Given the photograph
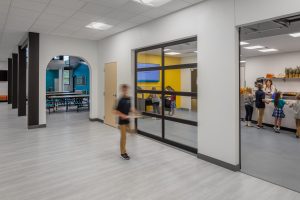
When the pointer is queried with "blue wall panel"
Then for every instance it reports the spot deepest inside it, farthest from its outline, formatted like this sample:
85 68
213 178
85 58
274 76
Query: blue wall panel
82 70
50 76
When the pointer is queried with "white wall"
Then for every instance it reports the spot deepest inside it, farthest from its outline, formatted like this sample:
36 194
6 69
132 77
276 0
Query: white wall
249 11
213 22
3 85
51 46
274 64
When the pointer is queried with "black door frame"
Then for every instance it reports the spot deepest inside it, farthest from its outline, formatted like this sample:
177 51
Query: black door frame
163 93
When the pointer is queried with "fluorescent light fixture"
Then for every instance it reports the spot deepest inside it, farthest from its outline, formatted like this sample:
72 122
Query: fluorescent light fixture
99 26
172 53
243 61
268 50
167 50
295 34
196 52
152 3
243 43
254 47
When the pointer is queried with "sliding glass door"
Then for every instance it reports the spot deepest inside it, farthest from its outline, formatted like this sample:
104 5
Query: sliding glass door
166 92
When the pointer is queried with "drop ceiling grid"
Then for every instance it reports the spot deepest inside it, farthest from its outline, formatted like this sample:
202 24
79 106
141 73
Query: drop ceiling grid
69 18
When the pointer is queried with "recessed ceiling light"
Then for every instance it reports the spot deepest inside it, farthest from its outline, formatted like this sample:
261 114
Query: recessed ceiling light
254 47
153 3
295 34
243 61
243 43
268 50
167 49
99 26
172 53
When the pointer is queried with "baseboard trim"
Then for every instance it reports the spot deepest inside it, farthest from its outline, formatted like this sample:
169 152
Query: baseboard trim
96 120
220 163
37 126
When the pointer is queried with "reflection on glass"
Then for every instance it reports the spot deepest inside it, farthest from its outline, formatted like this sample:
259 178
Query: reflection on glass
181 80
150 125
149 80
150 103
185 53
181 133
181 107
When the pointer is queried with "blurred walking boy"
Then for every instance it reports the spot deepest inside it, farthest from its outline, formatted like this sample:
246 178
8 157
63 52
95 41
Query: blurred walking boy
122 110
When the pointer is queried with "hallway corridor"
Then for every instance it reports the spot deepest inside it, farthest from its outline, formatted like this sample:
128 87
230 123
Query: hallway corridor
74 158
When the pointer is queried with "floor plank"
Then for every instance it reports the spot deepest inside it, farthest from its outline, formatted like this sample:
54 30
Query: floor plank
76 159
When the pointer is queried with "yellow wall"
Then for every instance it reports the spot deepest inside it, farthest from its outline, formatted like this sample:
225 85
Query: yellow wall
172 77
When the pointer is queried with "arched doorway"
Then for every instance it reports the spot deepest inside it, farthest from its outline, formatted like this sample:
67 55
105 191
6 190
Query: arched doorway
68 83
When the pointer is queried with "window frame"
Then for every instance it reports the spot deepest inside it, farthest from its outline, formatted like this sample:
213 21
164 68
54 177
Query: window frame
163 93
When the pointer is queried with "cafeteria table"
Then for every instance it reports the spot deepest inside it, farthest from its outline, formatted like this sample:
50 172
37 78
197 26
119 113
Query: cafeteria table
67 100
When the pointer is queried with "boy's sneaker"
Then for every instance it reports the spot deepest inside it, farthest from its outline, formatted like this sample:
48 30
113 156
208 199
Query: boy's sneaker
277 130
258 127
125 156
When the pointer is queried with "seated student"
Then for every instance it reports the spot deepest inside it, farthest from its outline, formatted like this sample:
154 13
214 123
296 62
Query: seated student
155 102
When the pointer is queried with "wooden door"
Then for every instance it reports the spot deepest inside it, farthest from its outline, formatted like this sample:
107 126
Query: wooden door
110 93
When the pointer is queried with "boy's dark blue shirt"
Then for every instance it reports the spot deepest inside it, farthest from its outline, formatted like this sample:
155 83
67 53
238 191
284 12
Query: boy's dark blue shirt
259 96
124 106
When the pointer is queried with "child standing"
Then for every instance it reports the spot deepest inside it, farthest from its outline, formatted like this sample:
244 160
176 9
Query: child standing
296 108
172 99
278 112
260 96
122 110
248 101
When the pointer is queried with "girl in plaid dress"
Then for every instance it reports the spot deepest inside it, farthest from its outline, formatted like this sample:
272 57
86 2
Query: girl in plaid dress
278 112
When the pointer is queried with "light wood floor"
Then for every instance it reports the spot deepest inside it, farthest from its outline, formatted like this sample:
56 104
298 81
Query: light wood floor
79 160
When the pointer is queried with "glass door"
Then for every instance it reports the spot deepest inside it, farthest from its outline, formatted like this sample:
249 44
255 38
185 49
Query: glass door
166 93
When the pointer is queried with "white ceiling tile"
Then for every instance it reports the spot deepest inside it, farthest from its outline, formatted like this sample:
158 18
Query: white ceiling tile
95 9
193 1
55 10
120 15
136 8
126 25
175 5
5 3
43 28
52 17
140 19
66 29
68 4
23 13
85 16
18 24
109 21
29 4
64 32
109 3
77 22
155 13
41 1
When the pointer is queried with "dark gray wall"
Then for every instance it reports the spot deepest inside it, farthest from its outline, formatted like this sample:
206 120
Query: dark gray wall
9 78
22 82
33 80
15 81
